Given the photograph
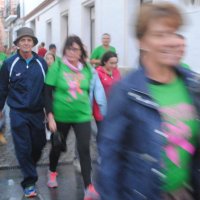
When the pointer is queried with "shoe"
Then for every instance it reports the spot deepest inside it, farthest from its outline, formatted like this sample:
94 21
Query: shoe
30 192
52 179
77 165
91 193
2 139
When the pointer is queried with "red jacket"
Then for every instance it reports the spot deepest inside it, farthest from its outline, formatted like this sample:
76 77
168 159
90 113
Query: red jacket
107 82
41 52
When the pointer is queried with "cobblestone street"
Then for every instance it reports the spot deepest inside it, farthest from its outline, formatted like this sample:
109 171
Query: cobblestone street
70 181
8 159
70 184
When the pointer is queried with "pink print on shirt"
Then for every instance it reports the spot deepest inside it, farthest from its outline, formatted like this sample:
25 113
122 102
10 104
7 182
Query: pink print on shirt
177 131
73 81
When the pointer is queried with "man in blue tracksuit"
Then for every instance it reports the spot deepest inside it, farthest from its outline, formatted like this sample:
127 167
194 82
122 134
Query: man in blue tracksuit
21 84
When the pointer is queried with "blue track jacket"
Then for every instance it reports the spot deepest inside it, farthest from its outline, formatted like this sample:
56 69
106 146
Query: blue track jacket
21 83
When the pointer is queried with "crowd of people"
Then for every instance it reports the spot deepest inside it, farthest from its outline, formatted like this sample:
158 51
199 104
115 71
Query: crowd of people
148 131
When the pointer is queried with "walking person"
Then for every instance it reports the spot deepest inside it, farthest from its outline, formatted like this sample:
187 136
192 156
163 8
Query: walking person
49 58
3 57
109 74
2 127
53 50
97 53
149 141
181 49
97 97
67 105
22 83
42 50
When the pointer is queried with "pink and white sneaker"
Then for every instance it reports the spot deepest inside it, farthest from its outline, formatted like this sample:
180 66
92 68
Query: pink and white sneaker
91 193
52 179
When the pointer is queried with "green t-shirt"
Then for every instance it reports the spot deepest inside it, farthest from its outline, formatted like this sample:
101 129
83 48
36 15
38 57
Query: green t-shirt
181 127
58 59
2 58
71 95
98 52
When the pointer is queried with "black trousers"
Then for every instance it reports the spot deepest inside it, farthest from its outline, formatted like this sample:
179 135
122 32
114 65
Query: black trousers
82 132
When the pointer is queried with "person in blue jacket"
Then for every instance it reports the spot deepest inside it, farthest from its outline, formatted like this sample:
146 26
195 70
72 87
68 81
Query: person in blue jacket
21 85
150 138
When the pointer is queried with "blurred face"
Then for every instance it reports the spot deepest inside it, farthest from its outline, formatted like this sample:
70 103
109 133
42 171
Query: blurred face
106 40
111 63
49 59
73 53
160 44
25 44
53 51
1 49
181 47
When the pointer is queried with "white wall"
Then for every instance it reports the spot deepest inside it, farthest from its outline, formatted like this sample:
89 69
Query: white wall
30 5
75 17
113 18
116 17
110 19
53 14
130 43
192 34
191 31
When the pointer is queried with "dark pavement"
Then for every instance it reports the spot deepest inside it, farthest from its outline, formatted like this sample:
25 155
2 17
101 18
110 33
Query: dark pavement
70 182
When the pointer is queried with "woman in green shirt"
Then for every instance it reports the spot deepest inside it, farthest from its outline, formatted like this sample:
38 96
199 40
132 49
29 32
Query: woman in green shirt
67 105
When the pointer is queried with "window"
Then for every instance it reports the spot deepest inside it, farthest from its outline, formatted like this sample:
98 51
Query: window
64 26
88 20
32 25
146 1
92 27
192 2
48 33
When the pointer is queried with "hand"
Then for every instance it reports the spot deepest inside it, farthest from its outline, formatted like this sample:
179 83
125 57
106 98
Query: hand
52 123
1 114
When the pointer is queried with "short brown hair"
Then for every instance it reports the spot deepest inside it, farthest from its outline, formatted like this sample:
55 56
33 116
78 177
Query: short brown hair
167 12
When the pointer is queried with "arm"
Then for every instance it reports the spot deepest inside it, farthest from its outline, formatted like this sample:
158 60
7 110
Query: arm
1 115
50 84
94 58
48 97
95 61
99 94
4 85
45 67
111 145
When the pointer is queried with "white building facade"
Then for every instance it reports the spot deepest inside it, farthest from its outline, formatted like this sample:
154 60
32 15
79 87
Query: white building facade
54 20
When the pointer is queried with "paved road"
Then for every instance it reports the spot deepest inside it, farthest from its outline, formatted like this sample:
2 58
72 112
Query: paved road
8 159
70 184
